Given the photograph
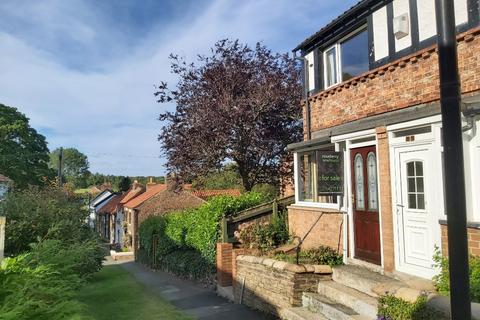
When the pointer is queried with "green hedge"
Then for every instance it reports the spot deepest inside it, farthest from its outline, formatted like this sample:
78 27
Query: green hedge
187 239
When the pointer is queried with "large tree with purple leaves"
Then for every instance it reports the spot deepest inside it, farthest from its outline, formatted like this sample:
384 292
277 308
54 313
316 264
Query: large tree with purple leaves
237 104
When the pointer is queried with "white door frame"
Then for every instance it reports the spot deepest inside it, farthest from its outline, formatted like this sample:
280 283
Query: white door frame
432 142
357 140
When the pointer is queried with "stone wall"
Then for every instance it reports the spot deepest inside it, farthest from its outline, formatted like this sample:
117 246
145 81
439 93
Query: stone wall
271 285
328 231
408 81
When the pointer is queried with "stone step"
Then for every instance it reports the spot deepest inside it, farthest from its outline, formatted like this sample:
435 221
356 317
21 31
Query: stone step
364 280
300 313
329 308
358 301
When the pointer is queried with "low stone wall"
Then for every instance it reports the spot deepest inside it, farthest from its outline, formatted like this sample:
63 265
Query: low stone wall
270 285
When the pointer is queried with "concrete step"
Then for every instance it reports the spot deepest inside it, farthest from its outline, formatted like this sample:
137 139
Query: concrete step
364 280
358 301
300 313
330 309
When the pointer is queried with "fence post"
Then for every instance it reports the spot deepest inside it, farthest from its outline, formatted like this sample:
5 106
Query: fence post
2 236
224 230
275 208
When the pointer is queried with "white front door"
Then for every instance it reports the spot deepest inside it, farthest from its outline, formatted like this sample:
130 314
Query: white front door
416 220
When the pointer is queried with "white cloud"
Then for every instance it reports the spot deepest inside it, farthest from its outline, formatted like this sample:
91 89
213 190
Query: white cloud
108 111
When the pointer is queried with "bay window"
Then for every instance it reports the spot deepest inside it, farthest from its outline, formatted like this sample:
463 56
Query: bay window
306 174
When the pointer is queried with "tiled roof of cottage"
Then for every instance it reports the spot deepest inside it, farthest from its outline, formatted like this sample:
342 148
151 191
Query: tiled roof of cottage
135 190
169 201
207 194
152 191
113 203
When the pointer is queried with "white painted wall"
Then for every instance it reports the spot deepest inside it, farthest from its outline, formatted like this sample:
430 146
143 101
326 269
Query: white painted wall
401 7
461 11
426 19
380 33
427 27
471 149
311 70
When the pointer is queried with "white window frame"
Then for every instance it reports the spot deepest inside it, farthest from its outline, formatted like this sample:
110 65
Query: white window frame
338 59
298 202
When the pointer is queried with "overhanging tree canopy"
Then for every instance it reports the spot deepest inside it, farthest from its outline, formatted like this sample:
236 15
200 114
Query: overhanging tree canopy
238 104
23 151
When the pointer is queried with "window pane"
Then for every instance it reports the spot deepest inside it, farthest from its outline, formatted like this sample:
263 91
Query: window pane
331 67
419 169
372 181
412 201
420 185
359 192
411 169
411 185
421 201
354 56
307 177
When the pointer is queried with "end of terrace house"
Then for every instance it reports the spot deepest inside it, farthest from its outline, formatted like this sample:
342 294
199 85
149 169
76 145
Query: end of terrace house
373 96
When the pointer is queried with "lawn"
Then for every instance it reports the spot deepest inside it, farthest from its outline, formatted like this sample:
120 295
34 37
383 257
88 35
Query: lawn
114 294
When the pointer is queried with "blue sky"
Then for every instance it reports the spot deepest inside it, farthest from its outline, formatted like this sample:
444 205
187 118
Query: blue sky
84 71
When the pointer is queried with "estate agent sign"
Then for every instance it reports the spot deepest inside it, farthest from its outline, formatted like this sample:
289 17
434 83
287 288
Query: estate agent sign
330 173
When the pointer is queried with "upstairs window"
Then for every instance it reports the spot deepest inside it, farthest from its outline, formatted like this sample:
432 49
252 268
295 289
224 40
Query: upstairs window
346 59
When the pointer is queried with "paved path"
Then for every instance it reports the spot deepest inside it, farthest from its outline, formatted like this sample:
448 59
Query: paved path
185 295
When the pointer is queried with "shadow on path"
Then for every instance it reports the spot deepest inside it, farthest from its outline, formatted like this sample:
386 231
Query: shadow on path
199 302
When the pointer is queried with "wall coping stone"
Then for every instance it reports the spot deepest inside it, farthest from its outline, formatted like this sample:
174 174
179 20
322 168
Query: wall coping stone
286 266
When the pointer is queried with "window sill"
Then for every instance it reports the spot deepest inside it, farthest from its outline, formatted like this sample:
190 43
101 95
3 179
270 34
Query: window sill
323 207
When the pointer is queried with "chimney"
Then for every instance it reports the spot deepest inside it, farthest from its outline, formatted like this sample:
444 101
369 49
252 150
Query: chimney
150 183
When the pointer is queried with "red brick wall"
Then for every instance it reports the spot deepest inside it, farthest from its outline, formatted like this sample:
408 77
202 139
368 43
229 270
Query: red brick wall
473 240
224 264
383 157
327 232
409 81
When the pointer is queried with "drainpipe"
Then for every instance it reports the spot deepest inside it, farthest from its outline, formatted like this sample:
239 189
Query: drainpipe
306 92
455 202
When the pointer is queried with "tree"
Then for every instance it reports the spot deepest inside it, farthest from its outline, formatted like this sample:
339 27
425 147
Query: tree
124 184
225 178
23 151
238 104
75 166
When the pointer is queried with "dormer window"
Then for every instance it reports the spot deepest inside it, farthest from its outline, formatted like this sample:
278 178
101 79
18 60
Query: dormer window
346 59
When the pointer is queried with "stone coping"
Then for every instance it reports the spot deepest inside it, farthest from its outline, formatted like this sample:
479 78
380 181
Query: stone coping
286 266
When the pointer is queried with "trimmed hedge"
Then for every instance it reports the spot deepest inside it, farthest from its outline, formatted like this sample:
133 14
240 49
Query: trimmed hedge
187 239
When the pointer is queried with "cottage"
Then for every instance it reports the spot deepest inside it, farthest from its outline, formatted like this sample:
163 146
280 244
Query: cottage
95 205
373 105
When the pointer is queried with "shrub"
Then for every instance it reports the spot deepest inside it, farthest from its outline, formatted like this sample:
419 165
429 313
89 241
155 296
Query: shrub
41 284
322 255
36 214
393 308
197 230
442 280
263 235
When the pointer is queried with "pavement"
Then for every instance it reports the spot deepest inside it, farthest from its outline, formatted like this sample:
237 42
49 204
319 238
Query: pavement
194 300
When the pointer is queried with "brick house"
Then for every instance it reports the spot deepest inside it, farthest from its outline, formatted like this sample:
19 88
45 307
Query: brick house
373 82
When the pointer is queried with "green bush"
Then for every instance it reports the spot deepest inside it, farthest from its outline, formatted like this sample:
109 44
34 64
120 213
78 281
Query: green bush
269 191
37 214
42 283
264 235
194 230
393 308
322 256
442 280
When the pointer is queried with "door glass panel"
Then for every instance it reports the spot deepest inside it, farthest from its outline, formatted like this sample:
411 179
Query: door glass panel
415 185
372 182
359 191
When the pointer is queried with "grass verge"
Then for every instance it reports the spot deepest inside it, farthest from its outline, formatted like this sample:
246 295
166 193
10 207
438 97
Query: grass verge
115 294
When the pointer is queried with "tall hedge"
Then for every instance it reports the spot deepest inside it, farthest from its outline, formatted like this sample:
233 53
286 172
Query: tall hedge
187 239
